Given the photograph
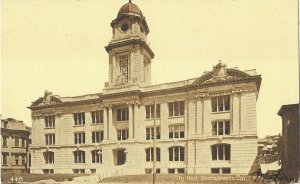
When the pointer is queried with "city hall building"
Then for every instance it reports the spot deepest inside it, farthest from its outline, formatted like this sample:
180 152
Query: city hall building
204 125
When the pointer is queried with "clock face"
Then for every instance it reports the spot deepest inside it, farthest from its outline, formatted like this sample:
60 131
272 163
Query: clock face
124 27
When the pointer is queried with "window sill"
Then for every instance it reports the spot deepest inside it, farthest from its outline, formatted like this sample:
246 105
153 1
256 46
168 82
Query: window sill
151 119
122 121
220 112
95 124
49 128
79 125
175 117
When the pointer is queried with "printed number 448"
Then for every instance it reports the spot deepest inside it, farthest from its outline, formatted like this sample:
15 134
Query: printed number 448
16 179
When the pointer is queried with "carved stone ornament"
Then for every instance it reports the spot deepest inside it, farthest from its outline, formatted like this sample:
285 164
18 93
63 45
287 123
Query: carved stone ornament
219 73
47 97
120 80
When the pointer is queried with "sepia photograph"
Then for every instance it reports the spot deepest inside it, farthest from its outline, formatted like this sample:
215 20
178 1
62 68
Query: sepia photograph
150 91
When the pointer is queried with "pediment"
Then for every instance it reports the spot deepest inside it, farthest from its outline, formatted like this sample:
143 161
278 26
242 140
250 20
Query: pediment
220 73
48 99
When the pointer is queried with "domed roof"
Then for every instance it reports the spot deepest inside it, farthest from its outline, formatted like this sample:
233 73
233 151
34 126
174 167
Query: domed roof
129 8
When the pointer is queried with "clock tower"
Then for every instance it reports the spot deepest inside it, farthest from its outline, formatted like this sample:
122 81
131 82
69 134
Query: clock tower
129 54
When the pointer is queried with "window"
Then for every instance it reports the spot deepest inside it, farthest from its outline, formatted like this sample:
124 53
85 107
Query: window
176 131
17 144
180 170
150 155
79 156
48 171
221 128
121 156
78 171
97 137
150 111
96 156
176 153
97 117
171 171
5 124
79 138
16 159
23 143
50 139
4 141
4 159
123 134
176 109
93 171
23 160
79 118
220 152
49 157
220 103
220 170
49 121
124 68
122 114
150 133
149 171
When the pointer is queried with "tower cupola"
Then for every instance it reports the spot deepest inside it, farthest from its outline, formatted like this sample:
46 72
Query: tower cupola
129 54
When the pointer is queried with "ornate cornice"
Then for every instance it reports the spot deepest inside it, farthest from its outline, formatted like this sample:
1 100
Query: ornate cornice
140 42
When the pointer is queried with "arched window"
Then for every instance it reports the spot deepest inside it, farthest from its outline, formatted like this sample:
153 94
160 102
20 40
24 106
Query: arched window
97 156
176 153
150 155
79 156
49 157
220 151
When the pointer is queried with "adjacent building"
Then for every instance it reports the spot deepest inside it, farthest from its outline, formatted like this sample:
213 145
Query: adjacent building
290 140
15 146
204 125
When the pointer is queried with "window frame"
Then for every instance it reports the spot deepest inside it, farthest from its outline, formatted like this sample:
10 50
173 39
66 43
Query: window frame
150 133
79 118
221 152
79 156
176 152
97 117
50 139
149 109
123 114
150 156
177 106
97 136
79 137
49 157
49 121
122 134
226 128
96 156
217 107
173 134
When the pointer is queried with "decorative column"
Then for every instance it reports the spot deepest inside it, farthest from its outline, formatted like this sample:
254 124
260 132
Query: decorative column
236 112
130 120
111 129
136 120
105 123
200 113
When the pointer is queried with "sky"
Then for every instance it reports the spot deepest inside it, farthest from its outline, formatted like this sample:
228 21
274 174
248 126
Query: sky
58 45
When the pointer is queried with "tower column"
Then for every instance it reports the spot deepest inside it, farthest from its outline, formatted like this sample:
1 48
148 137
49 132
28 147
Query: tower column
130 120
105 123
110 124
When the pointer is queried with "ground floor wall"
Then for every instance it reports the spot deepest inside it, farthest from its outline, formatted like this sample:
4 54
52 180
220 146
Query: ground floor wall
197 157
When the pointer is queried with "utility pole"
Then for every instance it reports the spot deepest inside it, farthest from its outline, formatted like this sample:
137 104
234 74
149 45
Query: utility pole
154 145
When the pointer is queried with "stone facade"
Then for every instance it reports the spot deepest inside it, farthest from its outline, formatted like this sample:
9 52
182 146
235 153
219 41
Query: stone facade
205 125
15 142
